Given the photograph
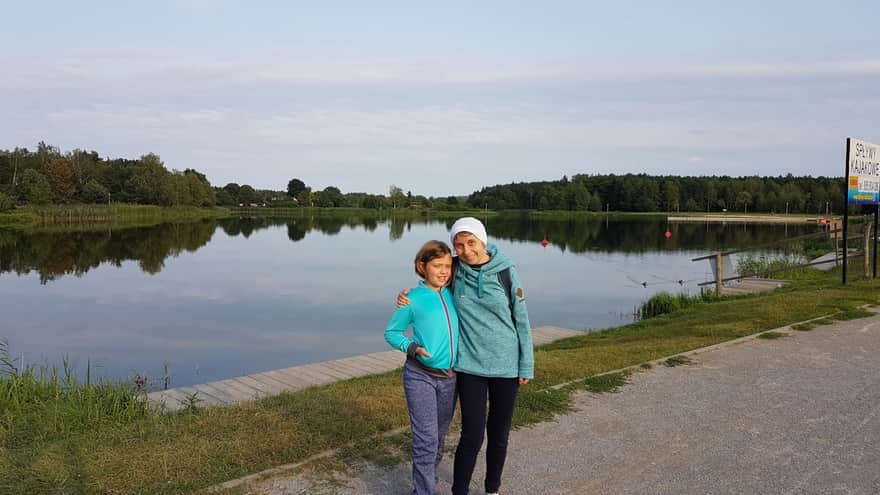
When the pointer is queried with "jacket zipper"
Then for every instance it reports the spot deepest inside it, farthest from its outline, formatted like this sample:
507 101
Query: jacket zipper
449 327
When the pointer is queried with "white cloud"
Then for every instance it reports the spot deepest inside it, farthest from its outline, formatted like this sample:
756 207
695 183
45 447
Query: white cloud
362 123
295 67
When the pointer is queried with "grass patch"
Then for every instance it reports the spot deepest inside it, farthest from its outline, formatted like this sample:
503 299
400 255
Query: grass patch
18 219
536 406
804 327
605 383
44 451
117 215
677 361
851 314
771 335
824 321
384 451
365 213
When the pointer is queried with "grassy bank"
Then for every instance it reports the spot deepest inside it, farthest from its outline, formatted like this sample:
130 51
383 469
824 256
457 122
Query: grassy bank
360 212
120 215
591 214
182 452
115 215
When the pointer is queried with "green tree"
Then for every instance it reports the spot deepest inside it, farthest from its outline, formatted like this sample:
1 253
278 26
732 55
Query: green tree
329 197
671 195
396 195
7 203
247 195
743 199
200 190
334 195
153 172
61 176
575 196
372 201
549 199
224 198
295 187
34 188
94 192
44 153
85 167
232 188
712 195
138 190
304 198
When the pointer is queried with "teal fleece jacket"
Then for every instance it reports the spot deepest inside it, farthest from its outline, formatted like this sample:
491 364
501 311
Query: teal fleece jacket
494 342
434 320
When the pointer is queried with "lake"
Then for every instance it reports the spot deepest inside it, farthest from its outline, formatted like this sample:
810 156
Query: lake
214 299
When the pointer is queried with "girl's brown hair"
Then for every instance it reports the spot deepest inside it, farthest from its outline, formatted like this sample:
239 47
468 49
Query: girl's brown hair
429 251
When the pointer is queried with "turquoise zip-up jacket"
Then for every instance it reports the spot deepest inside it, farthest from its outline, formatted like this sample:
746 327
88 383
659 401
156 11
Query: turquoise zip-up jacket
434 321
495 342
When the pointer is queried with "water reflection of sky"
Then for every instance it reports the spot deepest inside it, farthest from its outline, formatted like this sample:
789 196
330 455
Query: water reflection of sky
243 305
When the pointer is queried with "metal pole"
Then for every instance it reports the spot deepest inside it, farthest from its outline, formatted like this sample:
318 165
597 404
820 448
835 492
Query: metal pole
867 249
719 273
845 209
874 241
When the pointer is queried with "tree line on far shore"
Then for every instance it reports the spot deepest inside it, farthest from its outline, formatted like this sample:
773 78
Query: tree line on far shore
645 193
48 176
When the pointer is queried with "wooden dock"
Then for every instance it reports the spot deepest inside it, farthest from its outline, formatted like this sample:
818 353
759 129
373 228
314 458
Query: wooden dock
268 383
741 218
750 285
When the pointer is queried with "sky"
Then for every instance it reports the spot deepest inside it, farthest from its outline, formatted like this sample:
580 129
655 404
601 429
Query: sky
446 97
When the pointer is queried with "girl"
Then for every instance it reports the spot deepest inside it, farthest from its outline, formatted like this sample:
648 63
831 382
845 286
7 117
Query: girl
428 376
496 355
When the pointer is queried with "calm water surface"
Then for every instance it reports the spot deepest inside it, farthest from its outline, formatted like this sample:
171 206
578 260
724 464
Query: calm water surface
216 299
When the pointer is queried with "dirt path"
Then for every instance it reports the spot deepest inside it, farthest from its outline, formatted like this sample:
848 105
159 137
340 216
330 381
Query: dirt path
799 414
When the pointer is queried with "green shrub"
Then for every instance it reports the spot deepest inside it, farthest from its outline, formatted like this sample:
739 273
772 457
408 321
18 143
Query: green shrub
94 192
7 203
752 265
39 403
664 303
34 188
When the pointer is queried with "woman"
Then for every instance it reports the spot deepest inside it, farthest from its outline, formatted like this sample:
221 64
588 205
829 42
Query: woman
495 353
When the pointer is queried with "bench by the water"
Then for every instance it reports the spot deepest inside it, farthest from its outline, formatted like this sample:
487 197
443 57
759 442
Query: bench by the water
260 385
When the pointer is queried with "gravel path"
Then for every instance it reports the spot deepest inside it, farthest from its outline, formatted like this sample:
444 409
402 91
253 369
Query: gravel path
799 414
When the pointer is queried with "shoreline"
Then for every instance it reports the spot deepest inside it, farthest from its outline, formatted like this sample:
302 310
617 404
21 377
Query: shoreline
736 218
256 386
134 215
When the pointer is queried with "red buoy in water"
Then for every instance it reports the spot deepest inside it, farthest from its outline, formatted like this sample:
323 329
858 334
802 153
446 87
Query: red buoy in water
545 241
668 234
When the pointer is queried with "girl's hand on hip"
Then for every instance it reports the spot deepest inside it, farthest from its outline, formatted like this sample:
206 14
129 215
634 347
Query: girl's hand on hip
523 381
402 300
422 352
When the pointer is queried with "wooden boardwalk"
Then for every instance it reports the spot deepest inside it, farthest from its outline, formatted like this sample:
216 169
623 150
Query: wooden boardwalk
750 285
260 385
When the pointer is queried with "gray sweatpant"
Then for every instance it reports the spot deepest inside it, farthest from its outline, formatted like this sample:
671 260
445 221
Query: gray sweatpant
431 402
